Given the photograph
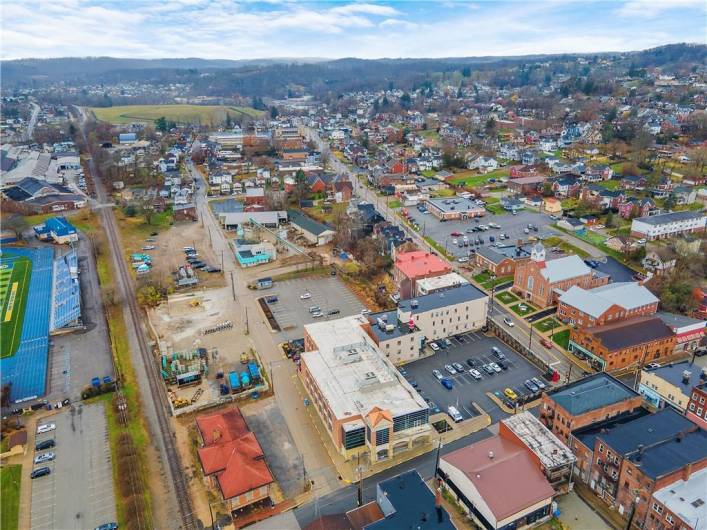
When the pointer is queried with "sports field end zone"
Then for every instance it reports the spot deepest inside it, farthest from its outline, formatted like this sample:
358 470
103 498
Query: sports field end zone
13 297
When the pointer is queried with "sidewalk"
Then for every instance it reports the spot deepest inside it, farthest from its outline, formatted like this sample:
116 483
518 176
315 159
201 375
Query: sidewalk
610 517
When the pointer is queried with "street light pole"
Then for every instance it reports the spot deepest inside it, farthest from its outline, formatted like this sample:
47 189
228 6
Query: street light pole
439 450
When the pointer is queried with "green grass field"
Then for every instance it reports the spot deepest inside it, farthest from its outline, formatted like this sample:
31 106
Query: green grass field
547 324
507 297
522 312
14 286
10 478
200 114
562 338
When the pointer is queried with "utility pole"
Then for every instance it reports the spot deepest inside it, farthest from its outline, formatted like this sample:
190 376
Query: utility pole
246 321
633 513
211 243
233 287
221 259
530 338
360 481
439 450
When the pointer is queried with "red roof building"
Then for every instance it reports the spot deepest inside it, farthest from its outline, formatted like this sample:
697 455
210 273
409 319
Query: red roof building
499 483
412 266
233 459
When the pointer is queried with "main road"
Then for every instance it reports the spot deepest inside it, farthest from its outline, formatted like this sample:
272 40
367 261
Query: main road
520 330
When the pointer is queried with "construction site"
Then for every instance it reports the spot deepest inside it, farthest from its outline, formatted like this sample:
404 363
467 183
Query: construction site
203 360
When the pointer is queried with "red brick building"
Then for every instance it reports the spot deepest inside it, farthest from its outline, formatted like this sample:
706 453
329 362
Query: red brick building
637 341
500 261
416 265
540 281
697 406
586 401
602 305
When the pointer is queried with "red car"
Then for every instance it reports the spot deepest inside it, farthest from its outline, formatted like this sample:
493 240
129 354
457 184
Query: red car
457 234
546 343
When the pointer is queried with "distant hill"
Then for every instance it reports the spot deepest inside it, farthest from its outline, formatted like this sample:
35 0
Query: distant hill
271 77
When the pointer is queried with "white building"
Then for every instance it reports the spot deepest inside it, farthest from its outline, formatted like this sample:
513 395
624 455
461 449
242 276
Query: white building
668 224
365 404
437 283
447 312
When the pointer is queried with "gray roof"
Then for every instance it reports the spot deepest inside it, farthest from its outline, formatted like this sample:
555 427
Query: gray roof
673 454
678 321
390 317
673 372
455 204
670 217
683 498
631 332
498 254
595 302
307 223
591 393
447 297
560 269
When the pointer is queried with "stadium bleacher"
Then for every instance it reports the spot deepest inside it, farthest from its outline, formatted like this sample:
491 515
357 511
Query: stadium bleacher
66 295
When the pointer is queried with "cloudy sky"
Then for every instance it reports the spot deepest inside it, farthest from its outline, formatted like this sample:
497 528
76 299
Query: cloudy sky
228 29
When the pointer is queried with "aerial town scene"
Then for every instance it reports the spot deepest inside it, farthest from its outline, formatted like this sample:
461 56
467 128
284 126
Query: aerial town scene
353 265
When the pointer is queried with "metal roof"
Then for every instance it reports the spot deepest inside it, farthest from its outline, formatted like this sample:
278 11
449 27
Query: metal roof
595 302
671 217
560 269
307 224
631 332
591 393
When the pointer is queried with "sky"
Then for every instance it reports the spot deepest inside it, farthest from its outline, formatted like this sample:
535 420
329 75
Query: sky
228 29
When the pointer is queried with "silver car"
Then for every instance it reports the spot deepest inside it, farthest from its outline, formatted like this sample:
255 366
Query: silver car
495 367
450 369
437 374
44 457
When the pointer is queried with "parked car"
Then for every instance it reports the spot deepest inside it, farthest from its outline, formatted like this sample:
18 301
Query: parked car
508 322
454 414
40 472
458 367
107 526
44 457
510 394
456 234
538 383
333 312
434 346
317 314
462 259
447 383
531 386
437 374
305 296
502 364
495 367
489 369
475 373
442 345
45 444
546 343
314 309
447 342
498 353
450 369
212 269
472 362
46 427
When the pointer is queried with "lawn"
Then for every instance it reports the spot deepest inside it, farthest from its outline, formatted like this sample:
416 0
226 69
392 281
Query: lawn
10 479
472 178
484 278
496 209
610 184
522 312
562 338
325 213
567 248
395 203
546 325
14 284
507 297
198 114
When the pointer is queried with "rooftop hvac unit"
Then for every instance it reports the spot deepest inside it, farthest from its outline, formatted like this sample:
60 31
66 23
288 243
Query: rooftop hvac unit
414 304
686 376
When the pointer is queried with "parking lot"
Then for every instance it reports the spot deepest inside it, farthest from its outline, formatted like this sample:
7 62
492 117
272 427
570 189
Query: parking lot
466 388
292 312
512 225
79 491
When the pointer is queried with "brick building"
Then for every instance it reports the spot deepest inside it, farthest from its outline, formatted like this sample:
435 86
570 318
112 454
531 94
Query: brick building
680 504
412 266
697 407
608 303
634 456
637 341
501 261
540 282
586 401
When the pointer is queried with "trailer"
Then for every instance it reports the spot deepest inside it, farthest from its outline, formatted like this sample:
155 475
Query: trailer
234 381
263 283
188 378
254 372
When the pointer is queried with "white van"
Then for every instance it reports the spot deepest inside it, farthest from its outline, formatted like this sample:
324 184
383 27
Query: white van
454 413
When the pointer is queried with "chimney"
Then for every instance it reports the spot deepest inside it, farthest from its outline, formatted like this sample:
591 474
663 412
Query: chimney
686 472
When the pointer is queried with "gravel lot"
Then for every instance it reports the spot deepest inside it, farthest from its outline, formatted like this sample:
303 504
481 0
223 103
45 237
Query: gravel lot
512 225
292 313
79 491
466 388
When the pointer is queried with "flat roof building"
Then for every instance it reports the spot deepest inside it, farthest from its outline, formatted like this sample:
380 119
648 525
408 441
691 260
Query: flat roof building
364 402
671 384
438 283
668 224
684 504
409 267
454 208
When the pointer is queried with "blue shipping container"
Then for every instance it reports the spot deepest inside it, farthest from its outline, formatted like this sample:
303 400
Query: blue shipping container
234 381
253 371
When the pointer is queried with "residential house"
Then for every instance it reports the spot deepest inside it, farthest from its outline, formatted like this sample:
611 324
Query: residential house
697 406
526 185
668 224
622 244
633 182
185 212
659 260
566 186
670 384
483 164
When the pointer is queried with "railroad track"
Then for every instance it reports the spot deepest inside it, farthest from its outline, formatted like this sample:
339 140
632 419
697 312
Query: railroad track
154 381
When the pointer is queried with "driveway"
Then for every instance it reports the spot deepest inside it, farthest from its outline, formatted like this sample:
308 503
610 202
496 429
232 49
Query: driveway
79 491
617 270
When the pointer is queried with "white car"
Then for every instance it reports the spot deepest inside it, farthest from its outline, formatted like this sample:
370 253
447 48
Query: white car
463 259
44 457
434 346
641 241
495 367
437 374
454 242
317 314
305 296
508 322
365 311
450 369
475 373
45 428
